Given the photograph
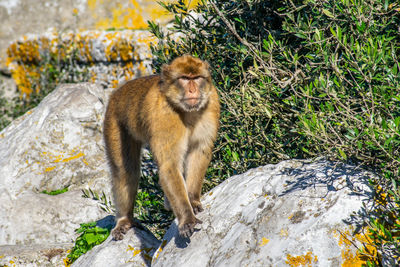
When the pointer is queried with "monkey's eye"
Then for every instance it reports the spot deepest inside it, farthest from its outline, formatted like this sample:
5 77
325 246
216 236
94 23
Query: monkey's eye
191 78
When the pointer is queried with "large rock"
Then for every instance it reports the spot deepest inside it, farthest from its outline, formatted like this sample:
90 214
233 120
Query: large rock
287 214
57 144
34 218
103 57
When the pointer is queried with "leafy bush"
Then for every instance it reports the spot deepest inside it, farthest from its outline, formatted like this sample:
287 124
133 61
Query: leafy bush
301 79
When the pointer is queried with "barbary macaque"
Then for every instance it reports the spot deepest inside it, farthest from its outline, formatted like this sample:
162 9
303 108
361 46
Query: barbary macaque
177 114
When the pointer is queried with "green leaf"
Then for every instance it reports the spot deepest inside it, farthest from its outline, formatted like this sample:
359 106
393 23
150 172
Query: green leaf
328 13
301 35
235 156
332 31
91 238
342 154
394 69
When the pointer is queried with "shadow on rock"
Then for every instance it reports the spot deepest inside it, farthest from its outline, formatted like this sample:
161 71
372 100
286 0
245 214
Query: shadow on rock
330 175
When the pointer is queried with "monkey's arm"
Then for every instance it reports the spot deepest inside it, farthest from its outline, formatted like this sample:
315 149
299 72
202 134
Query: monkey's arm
197 162
168 147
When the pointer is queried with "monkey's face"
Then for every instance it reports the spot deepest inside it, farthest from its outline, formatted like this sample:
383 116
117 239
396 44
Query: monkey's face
193 92
187 83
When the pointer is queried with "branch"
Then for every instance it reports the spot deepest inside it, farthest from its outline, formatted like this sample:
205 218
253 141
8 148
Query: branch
252 49
234 32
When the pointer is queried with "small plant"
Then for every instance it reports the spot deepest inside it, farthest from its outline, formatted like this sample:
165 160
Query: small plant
55 192
90 236
104 201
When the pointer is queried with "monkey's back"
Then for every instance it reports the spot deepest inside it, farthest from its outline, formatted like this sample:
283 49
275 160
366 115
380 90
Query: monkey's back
136 104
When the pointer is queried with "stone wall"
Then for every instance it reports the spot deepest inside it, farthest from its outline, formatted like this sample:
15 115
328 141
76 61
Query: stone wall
101 32
22 17
103 57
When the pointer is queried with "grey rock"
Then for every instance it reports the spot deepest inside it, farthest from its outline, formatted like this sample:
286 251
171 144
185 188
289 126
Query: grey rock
34 218
23 17
274 216
58 144
136 249
34 255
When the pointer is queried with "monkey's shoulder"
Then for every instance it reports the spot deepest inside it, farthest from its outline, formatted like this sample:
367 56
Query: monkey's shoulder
140 83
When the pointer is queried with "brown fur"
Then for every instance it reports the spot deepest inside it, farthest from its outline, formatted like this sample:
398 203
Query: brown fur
177 114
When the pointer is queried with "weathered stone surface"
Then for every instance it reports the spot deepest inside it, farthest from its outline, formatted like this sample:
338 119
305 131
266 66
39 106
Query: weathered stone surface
103 57
46 255
77 32
136 249
276 215
22 17
57 144
34 218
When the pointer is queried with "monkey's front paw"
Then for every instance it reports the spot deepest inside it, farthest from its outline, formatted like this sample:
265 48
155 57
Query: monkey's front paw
187 229
196 206
118 233
123 225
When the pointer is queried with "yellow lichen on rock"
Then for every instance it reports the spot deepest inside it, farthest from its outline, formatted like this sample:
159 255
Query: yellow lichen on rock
284 232
263 242
144 252
124 18
352 256
131 15
49 169
160 249
303 260
135 251
101 57
53 159
20 75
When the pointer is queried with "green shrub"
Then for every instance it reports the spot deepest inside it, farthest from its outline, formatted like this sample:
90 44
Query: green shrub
300 79
90 236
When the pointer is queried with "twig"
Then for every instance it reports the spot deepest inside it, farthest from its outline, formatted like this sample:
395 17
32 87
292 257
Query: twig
234 32
252 48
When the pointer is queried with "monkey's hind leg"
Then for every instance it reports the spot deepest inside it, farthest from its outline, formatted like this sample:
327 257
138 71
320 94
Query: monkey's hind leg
124 154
